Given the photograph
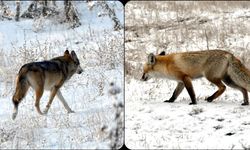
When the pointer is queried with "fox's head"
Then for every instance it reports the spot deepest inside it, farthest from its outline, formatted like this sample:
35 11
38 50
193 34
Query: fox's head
74 62
148 68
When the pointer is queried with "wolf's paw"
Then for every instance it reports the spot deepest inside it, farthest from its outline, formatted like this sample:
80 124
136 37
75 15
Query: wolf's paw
71 111
45 112
14 116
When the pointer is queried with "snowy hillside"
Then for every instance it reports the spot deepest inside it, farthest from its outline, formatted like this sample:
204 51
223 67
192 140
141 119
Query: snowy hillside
175 27
100 51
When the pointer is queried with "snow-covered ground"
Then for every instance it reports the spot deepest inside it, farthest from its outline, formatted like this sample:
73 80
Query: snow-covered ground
174 27
100 51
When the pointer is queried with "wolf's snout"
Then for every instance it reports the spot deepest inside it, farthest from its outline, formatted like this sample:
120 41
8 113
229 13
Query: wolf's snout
79 70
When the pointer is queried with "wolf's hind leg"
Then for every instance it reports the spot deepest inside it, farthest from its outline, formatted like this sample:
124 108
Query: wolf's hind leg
39 93
61 98
14 114
15 111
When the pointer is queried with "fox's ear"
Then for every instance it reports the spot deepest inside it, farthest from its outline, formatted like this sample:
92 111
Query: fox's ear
151 59
163 53
66 52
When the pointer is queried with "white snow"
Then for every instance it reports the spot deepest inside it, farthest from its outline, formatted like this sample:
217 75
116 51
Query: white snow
151 123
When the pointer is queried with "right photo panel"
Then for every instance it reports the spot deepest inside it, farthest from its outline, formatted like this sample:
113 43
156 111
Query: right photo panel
187 75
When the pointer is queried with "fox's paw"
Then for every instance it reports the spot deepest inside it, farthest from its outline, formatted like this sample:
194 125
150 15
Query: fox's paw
192 103
245 104
209 99
168 101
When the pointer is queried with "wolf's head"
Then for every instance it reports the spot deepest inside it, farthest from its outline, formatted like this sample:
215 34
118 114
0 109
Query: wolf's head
149 67
74 63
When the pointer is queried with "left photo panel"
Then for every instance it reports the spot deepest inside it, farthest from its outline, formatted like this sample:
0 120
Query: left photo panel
61 74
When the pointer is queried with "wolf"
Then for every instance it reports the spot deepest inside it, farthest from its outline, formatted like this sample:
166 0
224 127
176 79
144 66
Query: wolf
217 66
46 75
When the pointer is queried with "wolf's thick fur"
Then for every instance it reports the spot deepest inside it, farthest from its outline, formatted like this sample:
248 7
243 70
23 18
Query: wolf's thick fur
45 75
217 66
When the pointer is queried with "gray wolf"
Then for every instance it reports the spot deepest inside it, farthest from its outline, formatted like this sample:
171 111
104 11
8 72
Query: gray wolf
46 75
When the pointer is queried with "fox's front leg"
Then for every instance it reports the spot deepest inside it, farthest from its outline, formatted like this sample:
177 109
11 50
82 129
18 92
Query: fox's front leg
188 85
177 91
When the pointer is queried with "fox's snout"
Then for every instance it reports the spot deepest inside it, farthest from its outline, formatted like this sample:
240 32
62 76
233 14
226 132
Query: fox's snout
144 77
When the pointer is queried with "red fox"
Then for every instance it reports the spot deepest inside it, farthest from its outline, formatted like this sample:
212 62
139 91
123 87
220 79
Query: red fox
217 66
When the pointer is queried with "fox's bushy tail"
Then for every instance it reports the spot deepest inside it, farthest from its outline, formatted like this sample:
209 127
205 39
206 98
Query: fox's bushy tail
239 73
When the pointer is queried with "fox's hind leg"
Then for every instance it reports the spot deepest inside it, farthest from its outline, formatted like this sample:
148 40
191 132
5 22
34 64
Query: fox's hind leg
245 95
177 91
221 89
232 84
61 98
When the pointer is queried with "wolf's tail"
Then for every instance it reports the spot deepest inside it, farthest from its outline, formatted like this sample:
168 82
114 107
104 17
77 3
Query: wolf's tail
239 73
22 86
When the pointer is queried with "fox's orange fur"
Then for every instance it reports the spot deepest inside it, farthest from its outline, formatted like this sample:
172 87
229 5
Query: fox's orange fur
217 66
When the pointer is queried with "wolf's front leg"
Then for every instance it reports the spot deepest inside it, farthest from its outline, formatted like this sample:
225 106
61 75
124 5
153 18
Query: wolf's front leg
52 95
61 98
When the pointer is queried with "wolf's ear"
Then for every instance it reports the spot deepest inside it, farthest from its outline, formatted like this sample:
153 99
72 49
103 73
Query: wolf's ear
73 54
151 59
163 53
66 52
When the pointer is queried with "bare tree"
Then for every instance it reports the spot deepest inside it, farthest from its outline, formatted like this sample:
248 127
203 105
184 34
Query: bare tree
1 3
71 14
111 13
44 7
45 3
39 8
54 2
5 11
17 16
67 5
30 12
